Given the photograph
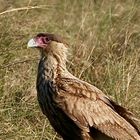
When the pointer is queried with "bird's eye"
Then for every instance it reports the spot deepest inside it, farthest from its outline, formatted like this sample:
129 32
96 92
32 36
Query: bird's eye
46 39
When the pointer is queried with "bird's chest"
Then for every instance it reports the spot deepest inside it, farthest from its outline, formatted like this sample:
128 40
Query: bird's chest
46 93
46 90
46 97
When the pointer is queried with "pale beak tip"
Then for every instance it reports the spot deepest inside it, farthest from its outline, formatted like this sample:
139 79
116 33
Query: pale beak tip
31 43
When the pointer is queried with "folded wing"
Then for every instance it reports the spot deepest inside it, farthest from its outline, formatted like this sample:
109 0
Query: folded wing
89 108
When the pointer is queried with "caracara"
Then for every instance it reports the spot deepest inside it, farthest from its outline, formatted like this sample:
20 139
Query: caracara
76 109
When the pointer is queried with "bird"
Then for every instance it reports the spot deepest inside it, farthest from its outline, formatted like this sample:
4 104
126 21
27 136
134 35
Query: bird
76 109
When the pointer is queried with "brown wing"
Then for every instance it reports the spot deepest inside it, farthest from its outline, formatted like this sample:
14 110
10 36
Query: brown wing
89 108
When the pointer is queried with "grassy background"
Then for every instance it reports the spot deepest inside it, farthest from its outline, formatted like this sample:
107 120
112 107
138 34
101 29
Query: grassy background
103 37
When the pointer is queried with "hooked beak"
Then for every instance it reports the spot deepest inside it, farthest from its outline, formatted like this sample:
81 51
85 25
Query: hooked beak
32 43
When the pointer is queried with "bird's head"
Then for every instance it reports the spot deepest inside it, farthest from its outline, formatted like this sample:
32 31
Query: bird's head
49 45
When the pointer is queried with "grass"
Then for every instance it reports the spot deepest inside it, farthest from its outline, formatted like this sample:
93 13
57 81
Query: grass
104 40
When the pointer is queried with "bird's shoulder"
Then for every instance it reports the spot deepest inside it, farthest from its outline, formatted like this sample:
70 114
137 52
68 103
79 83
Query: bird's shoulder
79 99
74 87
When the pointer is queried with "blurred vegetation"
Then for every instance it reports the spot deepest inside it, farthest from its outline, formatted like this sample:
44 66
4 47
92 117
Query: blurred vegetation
104 41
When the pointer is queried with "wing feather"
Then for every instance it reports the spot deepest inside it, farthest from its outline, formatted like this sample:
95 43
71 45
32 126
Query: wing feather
88 107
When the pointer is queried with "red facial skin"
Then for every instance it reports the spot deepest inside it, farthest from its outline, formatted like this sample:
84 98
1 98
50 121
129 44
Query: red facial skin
42 42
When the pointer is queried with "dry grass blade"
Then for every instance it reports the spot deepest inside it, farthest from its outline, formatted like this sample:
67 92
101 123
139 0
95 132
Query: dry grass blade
26 8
